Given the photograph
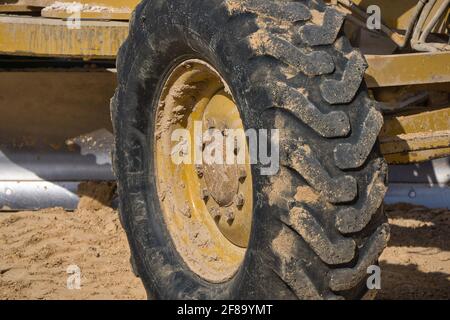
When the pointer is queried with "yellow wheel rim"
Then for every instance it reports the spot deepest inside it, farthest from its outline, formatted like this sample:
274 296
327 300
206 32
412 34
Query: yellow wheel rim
207 207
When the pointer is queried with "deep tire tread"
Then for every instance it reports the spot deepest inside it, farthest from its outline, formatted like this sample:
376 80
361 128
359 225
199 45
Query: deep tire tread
336 157
337 87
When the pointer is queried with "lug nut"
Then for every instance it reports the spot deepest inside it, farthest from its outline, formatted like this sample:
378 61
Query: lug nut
239 200
186 211
242 174
215 212
229 215
199 169
205 194
225 130
207 139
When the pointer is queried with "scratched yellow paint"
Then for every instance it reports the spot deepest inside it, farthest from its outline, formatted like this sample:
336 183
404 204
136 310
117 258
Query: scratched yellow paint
407 69
52 37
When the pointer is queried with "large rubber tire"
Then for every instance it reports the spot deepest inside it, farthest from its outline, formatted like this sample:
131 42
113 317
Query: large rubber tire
317 224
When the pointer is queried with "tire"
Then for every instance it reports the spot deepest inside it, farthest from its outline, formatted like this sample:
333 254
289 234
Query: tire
318 224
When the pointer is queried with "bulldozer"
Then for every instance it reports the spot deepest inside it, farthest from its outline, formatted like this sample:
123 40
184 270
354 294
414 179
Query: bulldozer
354 96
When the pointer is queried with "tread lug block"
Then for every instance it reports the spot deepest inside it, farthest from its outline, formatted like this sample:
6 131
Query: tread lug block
285 11
343 45
312 64
325 34
344 90
343 279
341 250
290 270
335 189
353 155
351 219
328 125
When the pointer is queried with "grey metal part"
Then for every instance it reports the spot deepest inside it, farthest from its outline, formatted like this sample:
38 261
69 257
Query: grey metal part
42 177
420 194
433 173
29 165
35 195
86 158
426 184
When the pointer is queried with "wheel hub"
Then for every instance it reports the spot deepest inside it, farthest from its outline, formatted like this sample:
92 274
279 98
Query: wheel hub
222 180
222 183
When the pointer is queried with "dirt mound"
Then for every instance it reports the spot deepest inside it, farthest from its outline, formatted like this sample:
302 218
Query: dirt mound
95 195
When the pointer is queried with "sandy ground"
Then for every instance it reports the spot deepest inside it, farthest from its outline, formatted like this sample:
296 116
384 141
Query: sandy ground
37 247
416 264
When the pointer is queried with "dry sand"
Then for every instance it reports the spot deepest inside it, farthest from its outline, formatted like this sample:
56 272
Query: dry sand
37 247
416 264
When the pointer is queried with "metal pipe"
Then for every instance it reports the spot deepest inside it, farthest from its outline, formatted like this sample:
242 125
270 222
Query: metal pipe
418 42
419 7
415 25
434 21
423 16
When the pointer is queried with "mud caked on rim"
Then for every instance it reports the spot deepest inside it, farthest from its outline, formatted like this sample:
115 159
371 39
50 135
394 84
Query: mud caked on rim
207 207
317 224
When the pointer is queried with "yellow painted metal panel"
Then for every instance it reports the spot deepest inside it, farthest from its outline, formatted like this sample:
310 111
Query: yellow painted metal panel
415 142
17 8
100 15
107 3
416 137
407 69
429 121
417 156
35 36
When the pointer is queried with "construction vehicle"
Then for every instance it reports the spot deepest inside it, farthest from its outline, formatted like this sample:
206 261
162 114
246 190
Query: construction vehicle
348 97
